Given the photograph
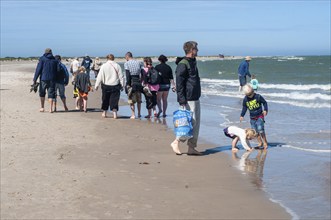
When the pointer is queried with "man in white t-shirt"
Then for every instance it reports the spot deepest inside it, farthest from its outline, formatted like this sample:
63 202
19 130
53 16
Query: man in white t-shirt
74 68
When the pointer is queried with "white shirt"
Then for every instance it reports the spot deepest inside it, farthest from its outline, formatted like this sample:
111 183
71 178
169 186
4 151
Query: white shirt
239 132
110 74
75 65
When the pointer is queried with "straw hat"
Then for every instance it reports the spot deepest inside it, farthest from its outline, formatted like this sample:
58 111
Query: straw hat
248 58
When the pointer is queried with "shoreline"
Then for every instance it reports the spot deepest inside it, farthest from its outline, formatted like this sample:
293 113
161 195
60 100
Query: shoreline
78 165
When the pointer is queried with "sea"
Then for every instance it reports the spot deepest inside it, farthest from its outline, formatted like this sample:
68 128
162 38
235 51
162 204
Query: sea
295 170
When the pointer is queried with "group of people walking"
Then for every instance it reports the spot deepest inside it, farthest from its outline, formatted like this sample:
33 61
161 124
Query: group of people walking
154 83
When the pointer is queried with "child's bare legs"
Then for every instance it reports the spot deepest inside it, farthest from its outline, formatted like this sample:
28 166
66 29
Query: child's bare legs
259 141
85 104
174 146
234 144
104 114
265 142
77 102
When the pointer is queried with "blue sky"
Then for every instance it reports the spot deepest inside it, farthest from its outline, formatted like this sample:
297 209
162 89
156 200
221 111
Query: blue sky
97 28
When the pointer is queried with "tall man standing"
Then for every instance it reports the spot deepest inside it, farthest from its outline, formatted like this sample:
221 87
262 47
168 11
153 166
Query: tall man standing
133 83
188 93
47 69
243 71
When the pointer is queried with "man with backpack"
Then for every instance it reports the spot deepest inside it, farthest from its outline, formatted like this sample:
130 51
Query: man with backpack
61 81
188 93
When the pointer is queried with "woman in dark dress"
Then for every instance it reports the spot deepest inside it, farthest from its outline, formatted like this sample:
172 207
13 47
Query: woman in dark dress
167 82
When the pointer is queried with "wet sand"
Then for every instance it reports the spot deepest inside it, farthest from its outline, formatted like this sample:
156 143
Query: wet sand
75 165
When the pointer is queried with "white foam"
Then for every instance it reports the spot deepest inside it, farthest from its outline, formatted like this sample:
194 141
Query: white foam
307 149
235 83
300 96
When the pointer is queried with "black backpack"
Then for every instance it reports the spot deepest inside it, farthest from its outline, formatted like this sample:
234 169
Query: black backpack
153 77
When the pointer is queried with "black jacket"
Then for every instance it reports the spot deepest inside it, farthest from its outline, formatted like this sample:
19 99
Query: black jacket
187 80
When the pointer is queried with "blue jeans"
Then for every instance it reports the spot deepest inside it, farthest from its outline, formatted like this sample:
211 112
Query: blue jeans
258 125
242 80
48 85
60 87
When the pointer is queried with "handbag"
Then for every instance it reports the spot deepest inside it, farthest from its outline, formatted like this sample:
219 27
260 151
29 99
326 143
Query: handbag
183 127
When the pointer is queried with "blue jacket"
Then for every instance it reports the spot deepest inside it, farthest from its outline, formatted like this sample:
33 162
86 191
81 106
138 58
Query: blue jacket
47 68
243 69
63 76
254 105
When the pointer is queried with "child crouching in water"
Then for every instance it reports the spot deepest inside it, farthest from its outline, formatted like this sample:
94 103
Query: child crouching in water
244 135
83 85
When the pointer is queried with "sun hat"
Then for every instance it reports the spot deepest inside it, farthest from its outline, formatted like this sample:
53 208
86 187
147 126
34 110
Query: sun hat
248 58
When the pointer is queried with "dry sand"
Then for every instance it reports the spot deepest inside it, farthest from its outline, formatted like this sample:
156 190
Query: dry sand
75 165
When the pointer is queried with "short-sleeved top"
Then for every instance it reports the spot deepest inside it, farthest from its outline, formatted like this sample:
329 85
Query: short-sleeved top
134 67
166 73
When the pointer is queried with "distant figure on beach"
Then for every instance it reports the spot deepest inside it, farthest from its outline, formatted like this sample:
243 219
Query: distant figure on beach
111 79
87 63
61 81
96 66
244 135
47 69
133 83
258 110
83 85
74 68
243 71
150 80
254 83
188 93
167 82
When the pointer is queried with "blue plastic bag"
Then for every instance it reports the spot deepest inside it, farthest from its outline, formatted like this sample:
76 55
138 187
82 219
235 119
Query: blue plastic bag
183 124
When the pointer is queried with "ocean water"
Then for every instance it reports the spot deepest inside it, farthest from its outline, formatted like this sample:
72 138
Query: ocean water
295 171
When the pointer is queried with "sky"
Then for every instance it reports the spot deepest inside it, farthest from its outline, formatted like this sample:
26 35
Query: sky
151 28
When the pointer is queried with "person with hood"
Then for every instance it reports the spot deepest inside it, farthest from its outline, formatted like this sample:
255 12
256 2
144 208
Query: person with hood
47 70
188 93
87 62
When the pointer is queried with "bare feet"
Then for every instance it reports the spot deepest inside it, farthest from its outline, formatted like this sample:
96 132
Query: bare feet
66 108
193 152
234 149
133 117
42 110
175 148
115 115
104 114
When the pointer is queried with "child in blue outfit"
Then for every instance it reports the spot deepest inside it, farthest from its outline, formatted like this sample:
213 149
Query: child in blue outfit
258 109
254 83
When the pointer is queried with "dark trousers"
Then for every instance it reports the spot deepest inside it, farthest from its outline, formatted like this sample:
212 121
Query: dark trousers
110 97
152 100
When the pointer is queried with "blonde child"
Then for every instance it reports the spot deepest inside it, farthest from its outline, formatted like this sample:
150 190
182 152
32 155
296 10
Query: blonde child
244 135
83 85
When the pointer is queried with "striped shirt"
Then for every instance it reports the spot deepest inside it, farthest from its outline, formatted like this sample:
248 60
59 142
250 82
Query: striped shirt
134 67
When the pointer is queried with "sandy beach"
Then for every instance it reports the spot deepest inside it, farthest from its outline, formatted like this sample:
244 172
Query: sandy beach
75 165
